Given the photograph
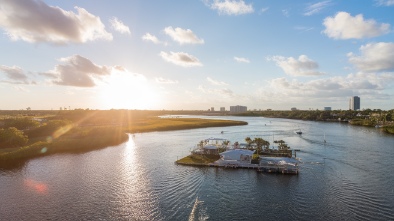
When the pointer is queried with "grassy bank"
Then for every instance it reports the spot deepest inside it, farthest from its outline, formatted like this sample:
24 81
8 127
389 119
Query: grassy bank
166 124
198 160
78 141
82 131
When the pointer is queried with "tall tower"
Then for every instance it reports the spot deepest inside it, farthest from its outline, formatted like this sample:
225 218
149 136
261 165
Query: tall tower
354 103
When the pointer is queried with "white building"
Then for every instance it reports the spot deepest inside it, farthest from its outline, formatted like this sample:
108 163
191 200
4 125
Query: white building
238 109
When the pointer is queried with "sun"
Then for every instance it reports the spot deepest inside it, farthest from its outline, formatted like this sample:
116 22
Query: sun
124 90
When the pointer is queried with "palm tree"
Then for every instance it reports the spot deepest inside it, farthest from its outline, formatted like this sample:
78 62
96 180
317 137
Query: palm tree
266 144
259 143
248 140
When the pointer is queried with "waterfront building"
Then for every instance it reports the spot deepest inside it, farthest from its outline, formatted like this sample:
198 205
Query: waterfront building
212 109
238 109
293 109
222 109
354 103
327 108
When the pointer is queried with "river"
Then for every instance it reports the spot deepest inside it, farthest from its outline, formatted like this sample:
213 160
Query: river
349 177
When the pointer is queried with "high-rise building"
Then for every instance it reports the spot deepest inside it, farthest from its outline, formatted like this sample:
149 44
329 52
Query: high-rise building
238 109
354 103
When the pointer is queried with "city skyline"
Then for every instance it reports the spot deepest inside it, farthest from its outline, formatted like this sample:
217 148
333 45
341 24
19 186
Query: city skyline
195 55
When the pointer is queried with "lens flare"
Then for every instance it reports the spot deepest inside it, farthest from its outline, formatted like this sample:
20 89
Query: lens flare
36 186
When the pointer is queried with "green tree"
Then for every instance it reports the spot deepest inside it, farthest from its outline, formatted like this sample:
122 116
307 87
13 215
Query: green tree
20 123
48 128
12 137
248 141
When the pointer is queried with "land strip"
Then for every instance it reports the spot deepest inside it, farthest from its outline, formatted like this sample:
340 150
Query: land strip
42 133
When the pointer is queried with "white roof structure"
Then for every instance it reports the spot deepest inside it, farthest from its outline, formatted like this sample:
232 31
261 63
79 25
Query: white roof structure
214 143
210 147
236 154
278 160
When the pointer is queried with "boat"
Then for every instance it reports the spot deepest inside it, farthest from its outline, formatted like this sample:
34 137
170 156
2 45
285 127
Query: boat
299 132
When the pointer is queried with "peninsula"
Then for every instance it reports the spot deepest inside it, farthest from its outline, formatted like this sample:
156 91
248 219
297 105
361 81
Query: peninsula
30 134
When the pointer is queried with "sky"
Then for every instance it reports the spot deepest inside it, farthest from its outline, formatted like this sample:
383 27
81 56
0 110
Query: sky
196 54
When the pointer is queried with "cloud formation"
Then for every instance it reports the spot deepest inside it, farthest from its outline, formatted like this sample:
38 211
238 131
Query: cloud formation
241 60
151 38
15 74
316 8
224 92
119 26
374 57
77 71
180 58
264 9
303 66
345 26
183 36
35 21
161 80
366 84
214 82
286 12
232 7
384 2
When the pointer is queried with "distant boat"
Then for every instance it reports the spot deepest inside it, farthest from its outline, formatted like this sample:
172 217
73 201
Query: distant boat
324 137
299 132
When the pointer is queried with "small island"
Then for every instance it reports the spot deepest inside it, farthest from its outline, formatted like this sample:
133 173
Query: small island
254 154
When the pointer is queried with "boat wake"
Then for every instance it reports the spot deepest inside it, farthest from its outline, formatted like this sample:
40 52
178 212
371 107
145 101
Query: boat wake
198 212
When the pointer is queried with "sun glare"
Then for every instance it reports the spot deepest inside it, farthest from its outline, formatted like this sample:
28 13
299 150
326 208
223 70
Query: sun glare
124 90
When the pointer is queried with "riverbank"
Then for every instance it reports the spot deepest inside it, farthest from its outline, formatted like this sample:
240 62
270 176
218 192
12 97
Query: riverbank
83 131
367 118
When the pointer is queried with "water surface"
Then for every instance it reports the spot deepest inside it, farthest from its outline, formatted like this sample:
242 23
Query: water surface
349 177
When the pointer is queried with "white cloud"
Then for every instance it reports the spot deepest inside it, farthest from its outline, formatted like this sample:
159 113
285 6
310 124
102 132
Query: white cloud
385 2
181 59
214 82
183 36
35 21
303 66
232 7
286 12
14 73
345 26
374 57
152 38
224 92
119 26
161 80
303 29
241 60
316 8
264 9
372 85
78 71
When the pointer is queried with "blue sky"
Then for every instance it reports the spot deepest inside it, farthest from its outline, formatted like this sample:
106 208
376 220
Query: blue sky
193 55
